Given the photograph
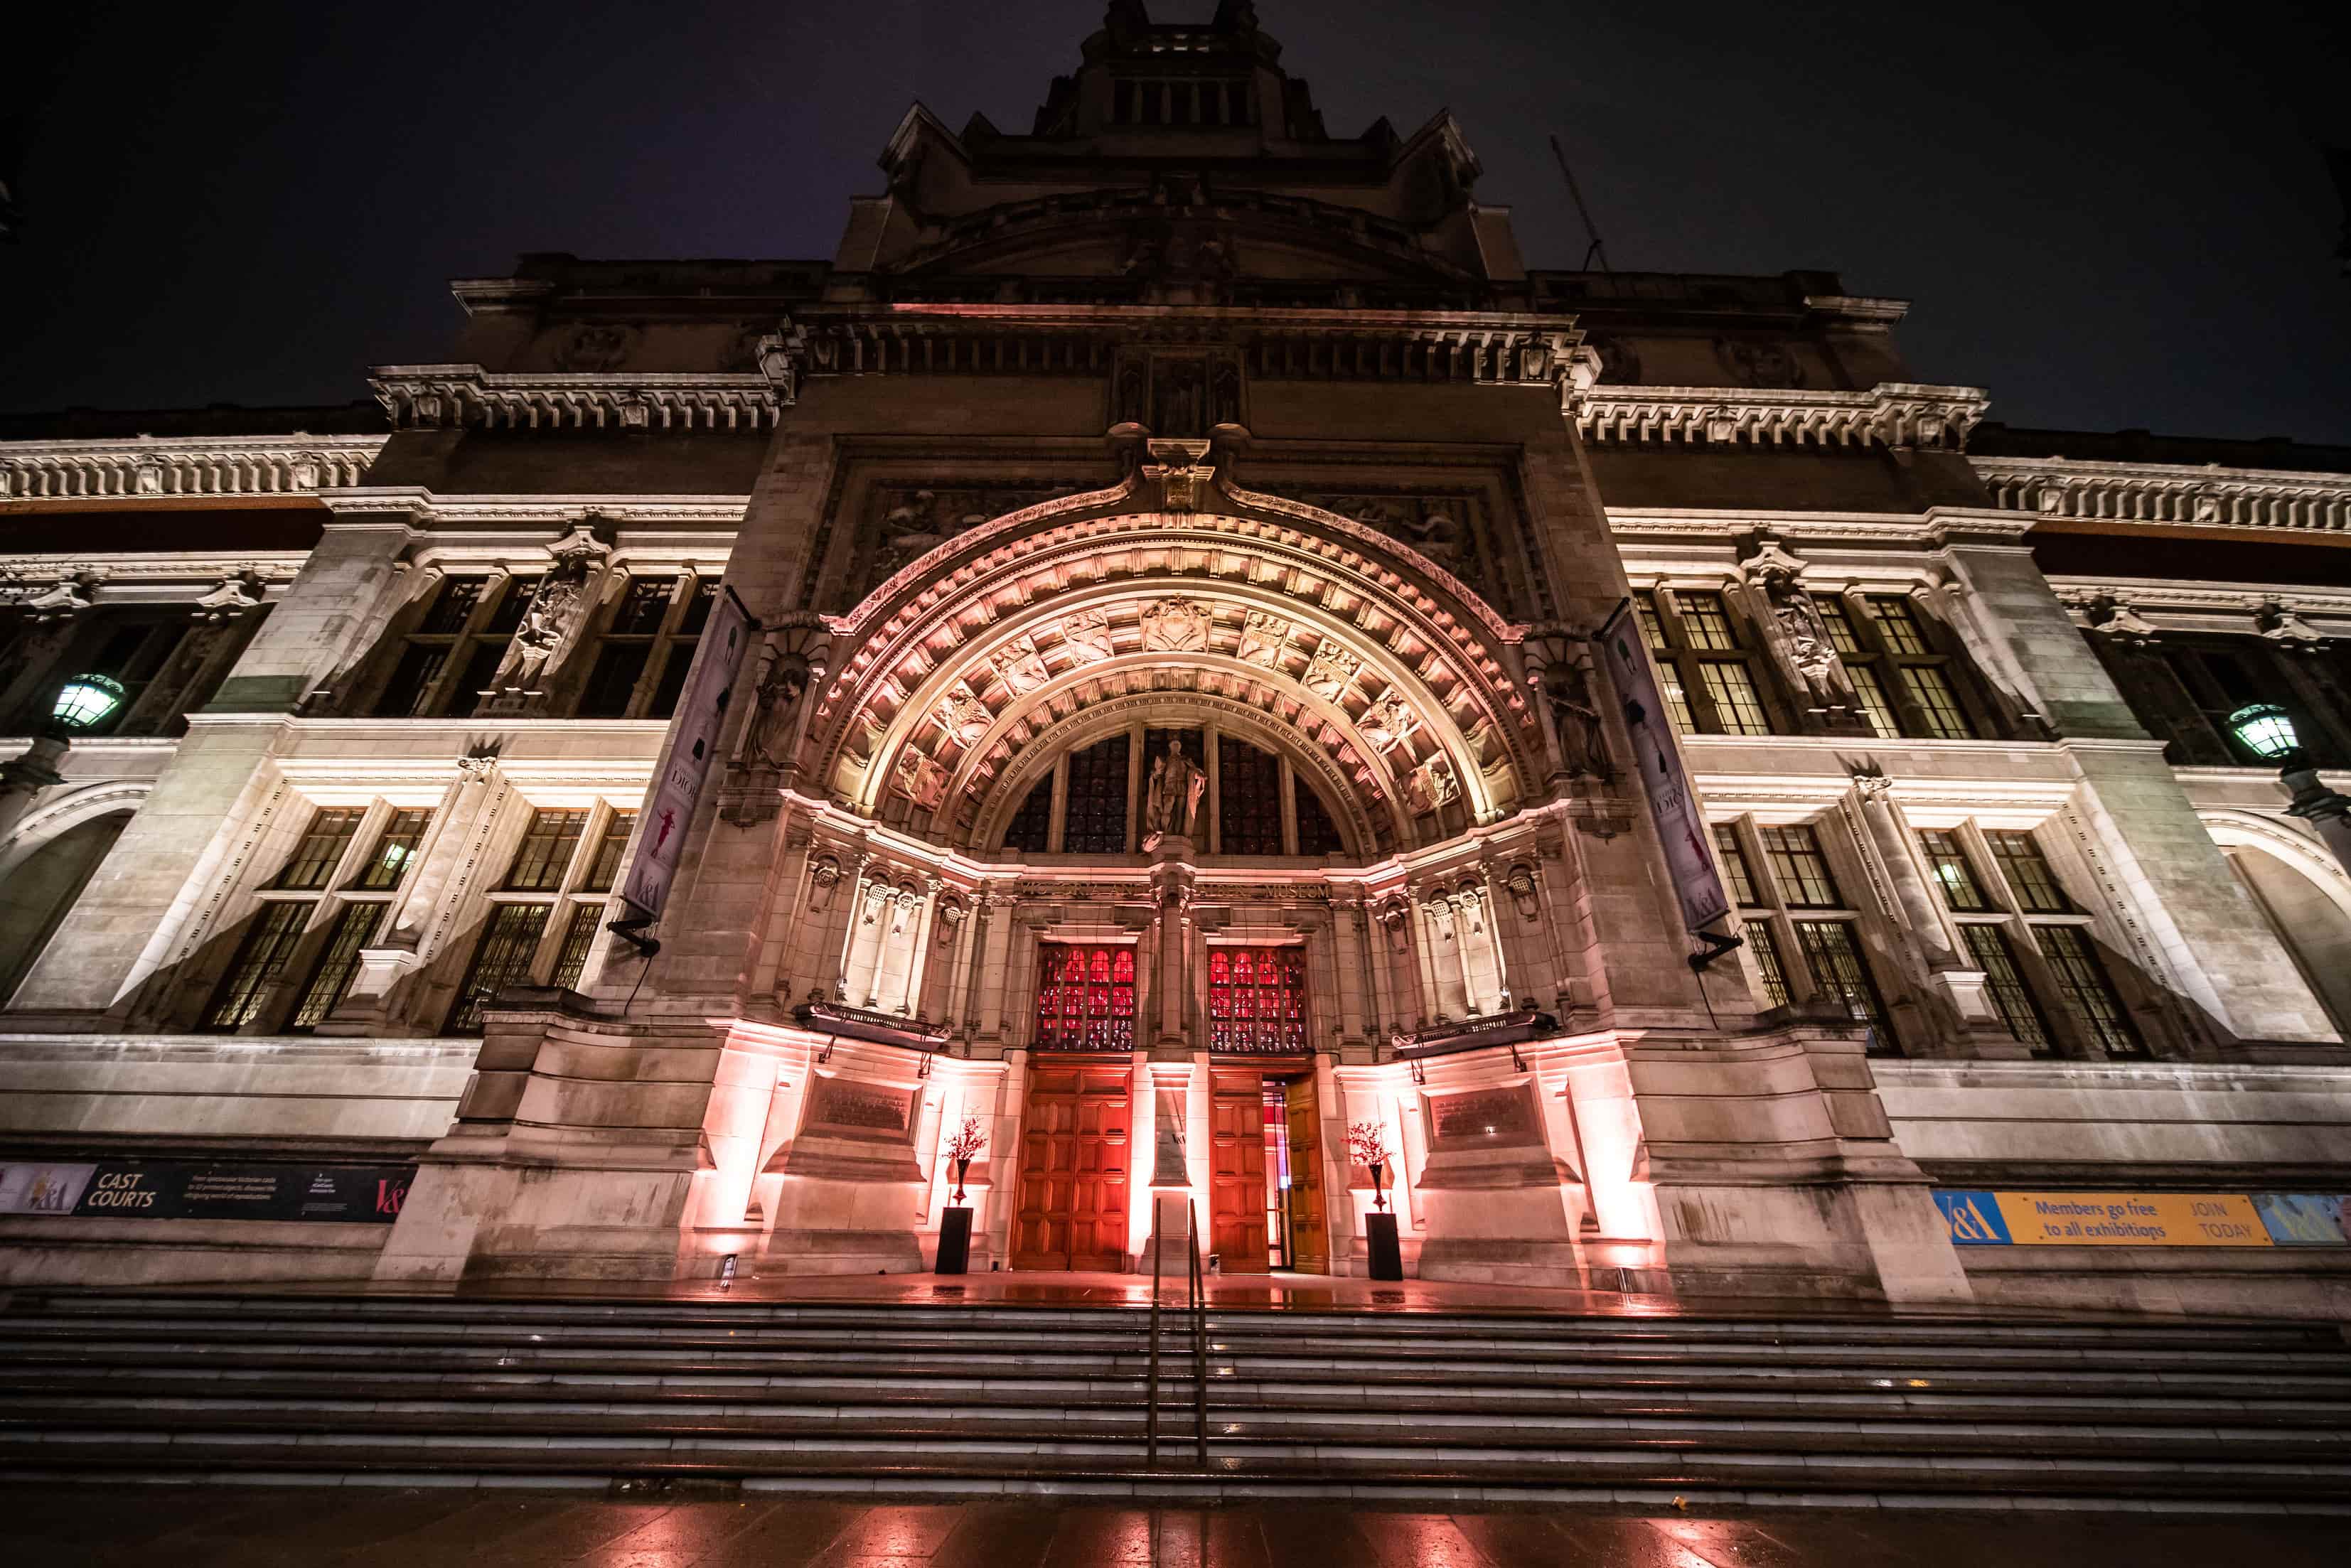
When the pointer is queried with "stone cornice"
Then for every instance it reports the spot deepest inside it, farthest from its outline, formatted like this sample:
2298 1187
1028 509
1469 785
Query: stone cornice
1934 529
1900 414
2210 497
425 508
169 468
444 397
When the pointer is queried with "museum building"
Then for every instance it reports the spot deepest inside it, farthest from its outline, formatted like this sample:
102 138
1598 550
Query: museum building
1175 658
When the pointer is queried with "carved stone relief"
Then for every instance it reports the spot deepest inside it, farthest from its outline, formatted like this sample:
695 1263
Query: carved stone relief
919 779
1331 671
906 521
1175 625
1263 637
1086 635
1388 722
1431 785
1019 666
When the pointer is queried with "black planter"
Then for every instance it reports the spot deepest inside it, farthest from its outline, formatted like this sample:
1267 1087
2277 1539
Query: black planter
963 1169
1387 1256
955 1242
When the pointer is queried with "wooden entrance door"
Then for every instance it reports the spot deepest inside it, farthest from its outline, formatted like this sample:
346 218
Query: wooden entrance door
1309 1237
1073 1170
1237 1180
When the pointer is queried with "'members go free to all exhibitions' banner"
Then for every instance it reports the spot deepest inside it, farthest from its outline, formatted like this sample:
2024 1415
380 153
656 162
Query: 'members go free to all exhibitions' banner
1979 1218
1680 826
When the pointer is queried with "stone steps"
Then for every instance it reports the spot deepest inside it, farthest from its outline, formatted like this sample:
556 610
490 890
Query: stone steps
985 1399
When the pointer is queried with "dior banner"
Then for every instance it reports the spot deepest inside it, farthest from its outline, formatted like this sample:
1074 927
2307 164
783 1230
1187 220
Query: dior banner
1680 826
693 741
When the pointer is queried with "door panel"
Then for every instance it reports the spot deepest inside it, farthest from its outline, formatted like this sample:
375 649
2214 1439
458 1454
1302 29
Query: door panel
1310 1236
1073 1170
1237 1188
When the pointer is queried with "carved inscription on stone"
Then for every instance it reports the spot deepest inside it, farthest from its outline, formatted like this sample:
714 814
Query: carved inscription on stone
1493 1117
861 1106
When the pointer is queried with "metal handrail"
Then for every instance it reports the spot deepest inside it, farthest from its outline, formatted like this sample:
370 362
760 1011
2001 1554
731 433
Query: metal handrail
1199 1304
1151 1385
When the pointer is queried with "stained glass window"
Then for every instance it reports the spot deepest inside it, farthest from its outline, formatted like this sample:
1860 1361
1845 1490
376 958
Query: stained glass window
1257 998
1095 823
1249 795
1085 998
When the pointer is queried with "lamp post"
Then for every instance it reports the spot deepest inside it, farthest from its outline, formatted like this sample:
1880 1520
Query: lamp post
82 703
2266 731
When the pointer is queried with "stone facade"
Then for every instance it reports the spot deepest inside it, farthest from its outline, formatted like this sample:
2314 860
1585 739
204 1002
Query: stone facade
1174 544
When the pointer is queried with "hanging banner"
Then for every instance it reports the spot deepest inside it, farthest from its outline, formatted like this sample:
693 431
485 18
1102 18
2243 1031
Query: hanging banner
693 745
1680 827
1978 1218
191 1189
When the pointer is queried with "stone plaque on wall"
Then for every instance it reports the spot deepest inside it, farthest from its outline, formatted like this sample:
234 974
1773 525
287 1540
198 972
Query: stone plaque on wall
1489 1118
862 1108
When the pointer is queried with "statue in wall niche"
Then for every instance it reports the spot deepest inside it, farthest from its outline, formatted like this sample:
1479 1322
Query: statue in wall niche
1567 691
1175 625
1263 636
780 687
1224 392
919 779
1388 722
554 611
1173 796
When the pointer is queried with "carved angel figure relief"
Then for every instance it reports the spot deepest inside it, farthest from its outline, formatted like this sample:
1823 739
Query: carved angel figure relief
1331 671
1086 634
964 716
1175 625
1263 636
919 779
1388 722
1018 663
1432 785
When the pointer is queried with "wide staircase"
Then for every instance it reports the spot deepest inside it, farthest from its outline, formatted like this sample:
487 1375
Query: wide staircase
971 1400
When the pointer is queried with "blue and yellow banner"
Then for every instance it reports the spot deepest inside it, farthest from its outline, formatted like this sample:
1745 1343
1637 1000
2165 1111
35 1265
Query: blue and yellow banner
1981 1218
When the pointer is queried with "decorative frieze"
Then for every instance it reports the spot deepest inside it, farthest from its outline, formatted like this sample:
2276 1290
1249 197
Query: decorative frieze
451 397
1892 413
2212 497
148 467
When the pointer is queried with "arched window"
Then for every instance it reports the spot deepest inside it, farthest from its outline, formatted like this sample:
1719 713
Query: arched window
1085 998
1258 802
1317 834
1248 814
1032 825
1096 819
1257 999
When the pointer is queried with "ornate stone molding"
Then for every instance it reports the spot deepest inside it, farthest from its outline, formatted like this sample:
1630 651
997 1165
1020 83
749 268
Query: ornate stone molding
151 467
439 397
2210 497
1892 413
1522 1023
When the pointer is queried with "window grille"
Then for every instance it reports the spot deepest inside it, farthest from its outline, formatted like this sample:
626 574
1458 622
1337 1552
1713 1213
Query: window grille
1257 999
337 966
1095 822
579 942
1802 869
2004 982
509 944
1248 798
2089 994
1839 970
269 942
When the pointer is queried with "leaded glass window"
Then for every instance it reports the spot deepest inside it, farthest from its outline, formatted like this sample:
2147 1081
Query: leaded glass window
337 965
2011 997
1839 970
269 942
509 944
579 942
1032 825
1317 834
2089 994
1095 823
1085 998
1248 795
1257 999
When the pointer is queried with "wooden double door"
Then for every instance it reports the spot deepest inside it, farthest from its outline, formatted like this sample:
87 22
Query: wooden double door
1237 1191
1074 1168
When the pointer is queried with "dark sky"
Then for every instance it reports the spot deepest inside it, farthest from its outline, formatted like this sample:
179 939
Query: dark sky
2111 215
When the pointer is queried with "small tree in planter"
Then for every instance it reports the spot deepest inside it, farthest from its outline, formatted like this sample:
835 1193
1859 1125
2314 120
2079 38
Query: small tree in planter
964 1147
1367 1143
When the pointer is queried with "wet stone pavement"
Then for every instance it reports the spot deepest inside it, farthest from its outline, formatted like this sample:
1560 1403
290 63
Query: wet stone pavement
348 1527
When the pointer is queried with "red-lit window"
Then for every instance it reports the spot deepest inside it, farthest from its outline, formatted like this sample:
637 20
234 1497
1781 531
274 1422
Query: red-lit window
1257 998
1085 999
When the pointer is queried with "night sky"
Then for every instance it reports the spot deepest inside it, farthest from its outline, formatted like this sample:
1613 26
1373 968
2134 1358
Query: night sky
2110 216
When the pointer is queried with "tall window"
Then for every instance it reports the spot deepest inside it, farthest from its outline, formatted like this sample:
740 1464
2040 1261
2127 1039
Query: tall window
548 914
1925 697
1983 926
1705 670
2058 928
449 659
643 652
1032 825
1791 908
1864 663
1085 998
1095 823
1257 998
331 898
1316 834
1248 798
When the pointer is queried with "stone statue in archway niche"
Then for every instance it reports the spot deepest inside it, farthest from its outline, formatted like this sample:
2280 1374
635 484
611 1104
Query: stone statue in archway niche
1173 798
